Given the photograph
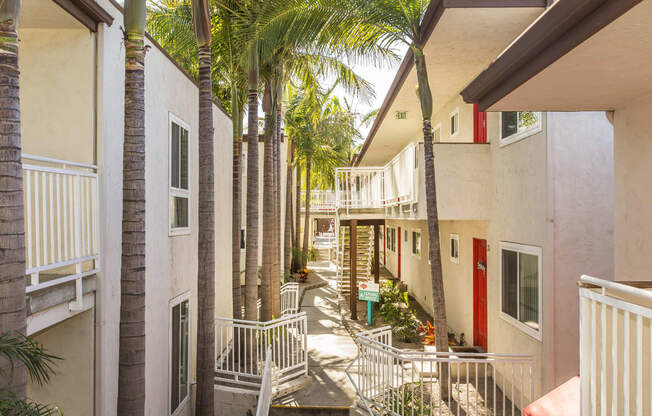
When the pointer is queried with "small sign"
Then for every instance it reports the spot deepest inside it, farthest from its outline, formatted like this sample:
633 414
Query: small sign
369 291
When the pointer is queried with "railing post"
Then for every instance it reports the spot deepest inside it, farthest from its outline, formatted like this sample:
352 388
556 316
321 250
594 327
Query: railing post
77 304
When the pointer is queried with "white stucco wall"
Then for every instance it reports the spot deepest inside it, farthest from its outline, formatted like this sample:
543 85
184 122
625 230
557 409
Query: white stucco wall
56 93
171 261
633 181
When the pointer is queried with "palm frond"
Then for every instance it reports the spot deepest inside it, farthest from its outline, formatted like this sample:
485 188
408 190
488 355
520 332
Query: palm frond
18 348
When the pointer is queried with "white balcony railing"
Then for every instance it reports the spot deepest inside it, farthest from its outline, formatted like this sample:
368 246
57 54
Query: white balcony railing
265 394
320 201
289 300
240 363
61 222
379 187
615 348
390 381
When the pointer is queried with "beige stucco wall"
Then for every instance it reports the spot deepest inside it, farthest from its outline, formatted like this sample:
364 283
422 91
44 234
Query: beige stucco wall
56 93
171 261
71 389
633 181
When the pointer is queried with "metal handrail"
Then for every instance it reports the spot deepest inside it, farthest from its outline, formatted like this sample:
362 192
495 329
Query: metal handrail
265 394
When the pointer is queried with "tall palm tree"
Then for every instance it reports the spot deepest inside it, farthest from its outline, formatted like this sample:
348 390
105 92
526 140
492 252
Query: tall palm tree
394 22
288 232
206 247
131 375
12 234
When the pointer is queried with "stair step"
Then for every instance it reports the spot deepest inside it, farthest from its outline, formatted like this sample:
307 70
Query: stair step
281 410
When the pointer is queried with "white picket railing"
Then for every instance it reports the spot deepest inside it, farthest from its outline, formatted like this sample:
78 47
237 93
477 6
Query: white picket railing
289 300
61 222
379 187
615 348
240 364
401 382
320 201
265 394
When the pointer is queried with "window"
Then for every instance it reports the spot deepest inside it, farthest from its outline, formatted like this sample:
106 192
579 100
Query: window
416 243
455 248
455 122
179 352
406 236
437 134
521 280
392 239
179 187
517 125
242 238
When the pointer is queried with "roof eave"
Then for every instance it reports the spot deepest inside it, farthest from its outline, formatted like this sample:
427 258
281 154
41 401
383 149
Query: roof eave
562 28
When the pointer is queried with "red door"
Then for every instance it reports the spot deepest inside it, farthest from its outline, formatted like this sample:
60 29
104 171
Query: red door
399 252
480 293
479 125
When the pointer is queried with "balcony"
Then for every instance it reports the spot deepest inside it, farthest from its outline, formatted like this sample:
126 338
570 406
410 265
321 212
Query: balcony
615 347
378 187
61 231
320 202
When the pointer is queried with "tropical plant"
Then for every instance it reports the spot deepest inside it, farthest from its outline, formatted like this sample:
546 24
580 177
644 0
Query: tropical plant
12 234
131 373
20 351
395 310
206 246
400 22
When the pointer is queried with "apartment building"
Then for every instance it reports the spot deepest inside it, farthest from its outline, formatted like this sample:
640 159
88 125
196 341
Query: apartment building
525 199
597 58
72 110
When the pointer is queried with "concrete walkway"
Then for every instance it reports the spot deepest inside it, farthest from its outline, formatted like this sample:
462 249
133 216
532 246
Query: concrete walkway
330 348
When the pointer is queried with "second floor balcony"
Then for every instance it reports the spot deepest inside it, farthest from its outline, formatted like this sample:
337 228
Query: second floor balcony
320 201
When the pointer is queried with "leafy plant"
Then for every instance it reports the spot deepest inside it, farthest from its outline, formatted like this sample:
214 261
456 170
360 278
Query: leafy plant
18 348
428 330
406 400
395 309
312 254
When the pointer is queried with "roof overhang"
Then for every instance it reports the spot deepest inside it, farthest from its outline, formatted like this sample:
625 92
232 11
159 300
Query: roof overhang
63 14
579 55
462 38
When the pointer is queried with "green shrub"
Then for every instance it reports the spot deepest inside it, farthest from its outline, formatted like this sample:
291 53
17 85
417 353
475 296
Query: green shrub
395 310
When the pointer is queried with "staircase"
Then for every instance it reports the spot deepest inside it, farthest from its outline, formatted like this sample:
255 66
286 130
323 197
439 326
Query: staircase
365 249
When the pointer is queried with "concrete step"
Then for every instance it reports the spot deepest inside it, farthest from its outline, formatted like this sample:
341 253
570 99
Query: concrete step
281 410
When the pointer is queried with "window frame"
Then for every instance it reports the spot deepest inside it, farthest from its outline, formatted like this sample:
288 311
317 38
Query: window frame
173 191
184 297
456 133
531 250
413 232
454 237
518 136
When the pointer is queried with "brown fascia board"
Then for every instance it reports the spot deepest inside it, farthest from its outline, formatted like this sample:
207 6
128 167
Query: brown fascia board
88 12
430 20
565 25
171 59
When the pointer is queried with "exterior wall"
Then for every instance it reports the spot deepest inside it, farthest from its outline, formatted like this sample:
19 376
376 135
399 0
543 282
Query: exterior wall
580 147
71 389
633 181
56 93
171 261
442 118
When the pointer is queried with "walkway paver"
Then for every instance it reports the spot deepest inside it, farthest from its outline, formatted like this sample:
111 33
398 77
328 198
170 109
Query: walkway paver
330 348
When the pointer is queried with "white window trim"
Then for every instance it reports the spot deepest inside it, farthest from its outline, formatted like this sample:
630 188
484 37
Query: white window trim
178 192
516 137
455 237
174 302
457 132
416 230
536 251
437 127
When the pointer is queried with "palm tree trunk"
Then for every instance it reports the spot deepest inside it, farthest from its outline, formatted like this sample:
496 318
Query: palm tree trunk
289 235
206 247
434 250
276 275
268 209
251 256
236 118
297 228
131 377
12 234
306 222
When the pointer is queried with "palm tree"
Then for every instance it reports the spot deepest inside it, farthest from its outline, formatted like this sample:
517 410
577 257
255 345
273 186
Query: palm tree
206 247
131 375
393 22
22 352
288 232
12 234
